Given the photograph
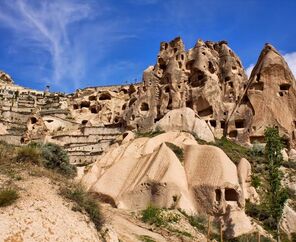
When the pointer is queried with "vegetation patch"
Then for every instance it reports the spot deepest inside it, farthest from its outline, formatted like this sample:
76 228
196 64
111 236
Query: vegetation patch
8 196
254 237
177 150
149 134
146 238
159 216
84 202
49 155
197 221
28 154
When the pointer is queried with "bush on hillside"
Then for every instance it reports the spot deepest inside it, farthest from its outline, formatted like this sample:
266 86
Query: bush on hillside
49 155
28 154
84 202
55 157
8 196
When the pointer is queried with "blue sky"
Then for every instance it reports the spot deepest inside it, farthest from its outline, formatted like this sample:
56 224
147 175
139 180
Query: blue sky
72 44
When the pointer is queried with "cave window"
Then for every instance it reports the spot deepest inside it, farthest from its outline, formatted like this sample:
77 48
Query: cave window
245 99
84 122
94 109
92 98
49 121
124 90
75 106
206 112
285 87
132 102
33 120
170 104
233 134
189 104
84 104
144 107
167 89
211 67
198 79
116 120
123 106
22 140
182 57
239 123
230 84
180 64
258 77
105 96
227 79
189 64
213 123
131 89
281 94
175 50
166 46
218 195
222 124
258 86
230 194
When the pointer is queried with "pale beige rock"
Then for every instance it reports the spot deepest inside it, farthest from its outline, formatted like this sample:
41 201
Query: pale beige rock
292 154
285 155
288 220
244 176
185 119
272 95
238 223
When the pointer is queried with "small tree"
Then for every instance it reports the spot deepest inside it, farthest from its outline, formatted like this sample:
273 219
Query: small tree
276 194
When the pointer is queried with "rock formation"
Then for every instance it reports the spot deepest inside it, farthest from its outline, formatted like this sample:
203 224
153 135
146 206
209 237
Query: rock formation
271 92
203 91
146 171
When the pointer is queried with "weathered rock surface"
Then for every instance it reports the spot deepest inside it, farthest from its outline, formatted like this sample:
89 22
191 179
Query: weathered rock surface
288 221
146 170
244 176
271 92
184 119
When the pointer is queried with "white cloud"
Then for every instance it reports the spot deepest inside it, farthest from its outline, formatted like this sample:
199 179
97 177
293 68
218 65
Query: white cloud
45 25
72 35
249 70
290 58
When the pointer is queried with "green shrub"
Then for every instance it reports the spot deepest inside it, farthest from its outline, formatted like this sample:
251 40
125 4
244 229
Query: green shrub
8 196
177 150
197 221
28 154
256 181
234 151
55 157
158 216
149 133
86 202
257 149
146 238
249 238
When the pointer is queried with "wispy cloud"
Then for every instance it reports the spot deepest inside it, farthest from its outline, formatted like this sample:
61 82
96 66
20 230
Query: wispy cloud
71 38
290 58
249 70
45 24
